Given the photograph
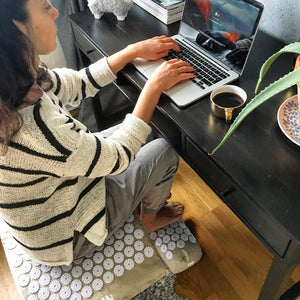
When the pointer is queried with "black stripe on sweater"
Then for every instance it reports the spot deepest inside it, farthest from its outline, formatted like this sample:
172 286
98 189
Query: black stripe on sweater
91 79
127 152
96 157
117 165
60 216
21 185
58 83
47 133
39 200
83 91
35 153
56 244
25 171
93 221
69 119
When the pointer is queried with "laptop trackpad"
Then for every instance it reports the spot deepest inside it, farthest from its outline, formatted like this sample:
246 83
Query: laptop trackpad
147 67
184 93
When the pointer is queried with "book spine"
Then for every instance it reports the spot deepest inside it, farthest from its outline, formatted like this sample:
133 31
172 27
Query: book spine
170 6
175 18
162 17
153 7
150 6
175 10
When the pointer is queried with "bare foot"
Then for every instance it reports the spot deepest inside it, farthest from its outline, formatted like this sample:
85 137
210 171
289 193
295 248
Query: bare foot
168 214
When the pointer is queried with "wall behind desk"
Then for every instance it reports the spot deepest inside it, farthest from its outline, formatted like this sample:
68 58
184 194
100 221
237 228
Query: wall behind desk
281 19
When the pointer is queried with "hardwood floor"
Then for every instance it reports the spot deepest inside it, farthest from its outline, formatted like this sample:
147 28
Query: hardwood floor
234 263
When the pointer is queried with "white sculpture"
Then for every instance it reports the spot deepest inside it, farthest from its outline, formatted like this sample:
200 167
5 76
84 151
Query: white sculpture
119 8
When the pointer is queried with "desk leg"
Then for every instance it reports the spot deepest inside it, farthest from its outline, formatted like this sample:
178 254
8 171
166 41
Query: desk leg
276 280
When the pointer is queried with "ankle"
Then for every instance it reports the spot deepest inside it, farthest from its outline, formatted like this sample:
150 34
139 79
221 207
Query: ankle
148 221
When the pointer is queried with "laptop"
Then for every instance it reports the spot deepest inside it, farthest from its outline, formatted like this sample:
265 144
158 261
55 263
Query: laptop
216 37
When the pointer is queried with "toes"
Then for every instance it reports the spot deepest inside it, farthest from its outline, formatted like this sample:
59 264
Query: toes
175 204
180 212
179 206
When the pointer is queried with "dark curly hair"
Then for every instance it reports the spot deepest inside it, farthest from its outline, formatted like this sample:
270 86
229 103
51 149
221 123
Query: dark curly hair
17 68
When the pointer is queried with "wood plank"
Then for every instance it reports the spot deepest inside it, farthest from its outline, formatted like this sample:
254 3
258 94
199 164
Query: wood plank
192 188
238 279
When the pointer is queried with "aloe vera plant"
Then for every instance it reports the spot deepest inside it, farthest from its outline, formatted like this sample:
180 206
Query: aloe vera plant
274 88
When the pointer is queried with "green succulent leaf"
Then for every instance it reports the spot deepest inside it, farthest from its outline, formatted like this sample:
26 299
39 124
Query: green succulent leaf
291 48
276 87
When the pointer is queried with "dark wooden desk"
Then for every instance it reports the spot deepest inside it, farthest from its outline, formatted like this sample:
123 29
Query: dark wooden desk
256 173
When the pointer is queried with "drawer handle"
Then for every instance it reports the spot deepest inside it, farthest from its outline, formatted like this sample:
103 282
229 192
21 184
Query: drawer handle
227 192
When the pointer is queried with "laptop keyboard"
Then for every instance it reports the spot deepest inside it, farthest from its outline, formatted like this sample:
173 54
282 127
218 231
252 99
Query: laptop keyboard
206 72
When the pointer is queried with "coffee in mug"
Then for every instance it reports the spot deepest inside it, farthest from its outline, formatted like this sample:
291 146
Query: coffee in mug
227 101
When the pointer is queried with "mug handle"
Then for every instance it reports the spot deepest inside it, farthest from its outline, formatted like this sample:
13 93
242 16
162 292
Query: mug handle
228 114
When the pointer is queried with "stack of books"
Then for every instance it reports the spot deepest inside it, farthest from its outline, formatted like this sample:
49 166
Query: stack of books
167 11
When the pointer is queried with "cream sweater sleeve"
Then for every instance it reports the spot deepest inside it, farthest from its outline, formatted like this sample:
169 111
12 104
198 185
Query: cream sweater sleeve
72 86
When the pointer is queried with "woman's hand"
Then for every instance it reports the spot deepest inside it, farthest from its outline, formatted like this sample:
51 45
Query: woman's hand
164 77
150 49
169 73
154 48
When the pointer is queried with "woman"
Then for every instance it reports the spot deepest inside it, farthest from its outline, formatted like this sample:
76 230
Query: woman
63 189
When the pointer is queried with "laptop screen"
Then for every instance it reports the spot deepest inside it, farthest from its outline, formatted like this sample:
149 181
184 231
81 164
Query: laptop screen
224 28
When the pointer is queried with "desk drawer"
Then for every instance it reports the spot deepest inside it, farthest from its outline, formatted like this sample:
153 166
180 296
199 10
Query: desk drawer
204 166
86 46
271 234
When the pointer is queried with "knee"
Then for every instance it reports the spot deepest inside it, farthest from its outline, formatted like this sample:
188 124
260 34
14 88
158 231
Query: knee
158 152
167 152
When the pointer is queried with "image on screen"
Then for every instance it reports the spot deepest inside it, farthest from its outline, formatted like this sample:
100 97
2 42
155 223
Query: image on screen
225 28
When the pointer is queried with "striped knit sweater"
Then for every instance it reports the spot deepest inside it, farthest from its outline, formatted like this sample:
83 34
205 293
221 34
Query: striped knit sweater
52 177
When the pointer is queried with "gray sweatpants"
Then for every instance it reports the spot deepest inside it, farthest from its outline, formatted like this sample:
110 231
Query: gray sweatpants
147 180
